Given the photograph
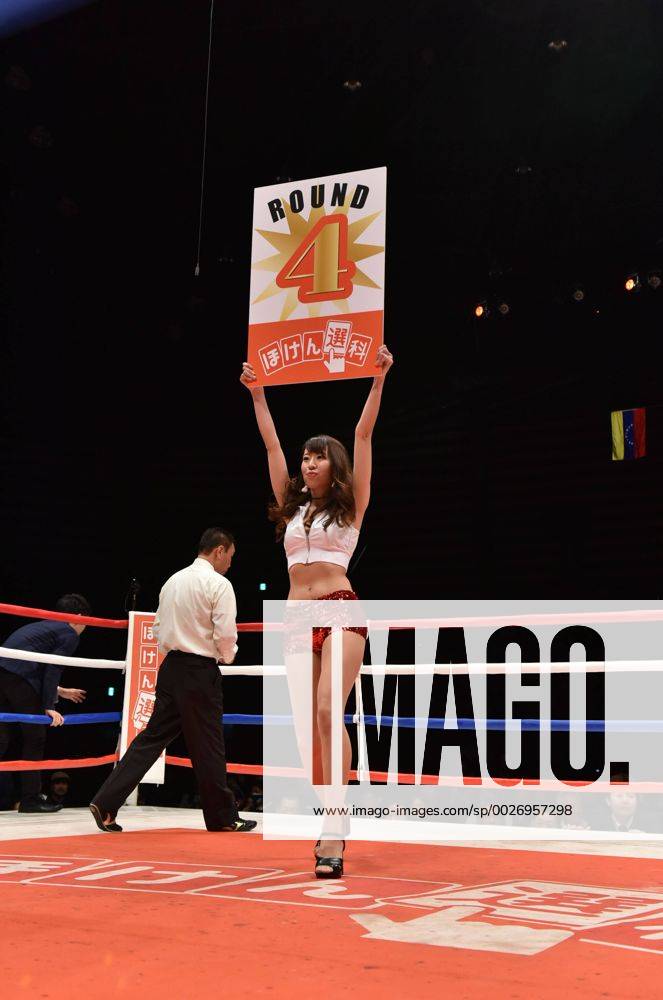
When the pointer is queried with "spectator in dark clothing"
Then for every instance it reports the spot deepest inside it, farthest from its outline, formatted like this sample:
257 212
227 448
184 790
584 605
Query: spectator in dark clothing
59 788
253 800
624 811
31 688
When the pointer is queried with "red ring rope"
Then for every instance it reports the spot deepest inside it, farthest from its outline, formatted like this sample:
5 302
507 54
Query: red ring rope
232 768
648 615
294 772
57 765
60 616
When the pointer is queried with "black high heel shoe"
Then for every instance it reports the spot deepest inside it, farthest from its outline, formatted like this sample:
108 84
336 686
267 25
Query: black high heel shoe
336 864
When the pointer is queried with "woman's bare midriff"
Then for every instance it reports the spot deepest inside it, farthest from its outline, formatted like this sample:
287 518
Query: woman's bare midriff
310 581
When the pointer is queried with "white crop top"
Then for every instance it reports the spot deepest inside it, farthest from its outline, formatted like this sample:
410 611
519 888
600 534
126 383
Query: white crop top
332 545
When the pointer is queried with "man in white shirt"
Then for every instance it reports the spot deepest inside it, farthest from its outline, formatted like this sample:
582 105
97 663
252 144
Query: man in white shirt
195 627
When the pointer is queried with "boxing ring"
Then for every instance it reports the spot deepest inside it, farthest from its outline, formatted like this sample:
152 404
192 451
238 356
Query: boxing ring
167 907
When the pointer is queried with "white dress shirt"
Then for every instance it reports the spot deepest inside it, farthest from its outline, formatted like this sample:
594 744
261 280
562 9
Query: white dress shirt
197 612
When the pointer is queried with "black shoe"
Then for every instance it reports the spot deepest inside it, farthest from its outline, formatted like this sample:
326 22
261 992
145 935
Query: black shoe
336 864
104 820
239 826
38 806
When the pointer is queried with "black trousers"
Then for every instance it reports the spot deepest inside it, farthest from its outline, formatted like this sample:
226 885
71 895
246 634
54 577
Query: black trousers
188 699
18 695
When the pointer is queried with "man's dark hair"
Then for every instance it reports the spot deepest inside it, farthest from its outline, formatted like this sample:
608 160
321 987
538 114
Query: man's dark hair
73 604
213 537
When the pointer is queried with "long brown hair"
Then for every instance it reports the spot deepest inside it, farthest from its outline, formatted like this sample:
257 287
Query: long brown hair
340 505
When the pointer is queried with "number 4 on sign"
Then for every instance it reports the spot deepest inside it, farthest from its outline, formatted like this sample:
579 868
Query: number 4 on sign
319 268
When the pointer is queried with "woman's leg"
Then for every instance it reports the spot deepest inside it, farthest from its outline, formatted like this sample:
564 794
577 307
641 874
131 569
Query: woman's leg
353 654
303 674
318 773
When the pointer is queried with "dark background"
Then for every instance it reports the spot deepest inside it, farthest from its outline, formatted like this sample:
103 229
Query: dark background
515 172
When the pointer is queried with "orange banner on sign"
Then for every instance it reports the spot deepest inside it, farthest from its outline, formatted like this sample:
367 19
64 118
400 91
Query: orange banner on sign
315 350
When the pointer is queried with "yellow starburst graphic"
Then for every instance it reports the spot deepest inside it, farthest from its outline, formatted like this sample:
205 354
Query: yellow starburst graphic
287 243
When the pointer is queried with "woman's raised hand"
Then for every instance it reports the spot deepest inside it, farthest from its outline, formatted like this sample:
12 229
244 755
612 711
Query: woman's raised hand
248 377
384 359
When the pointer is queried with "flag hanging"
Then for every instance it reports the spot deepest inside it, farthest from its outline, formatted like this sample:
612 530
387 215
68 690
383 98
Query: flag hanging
628 433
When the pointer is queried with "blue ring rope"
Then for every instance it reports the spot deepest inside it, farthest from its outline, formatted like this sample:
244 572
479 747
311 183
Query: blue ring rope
518 725
83 719
510 725
504 725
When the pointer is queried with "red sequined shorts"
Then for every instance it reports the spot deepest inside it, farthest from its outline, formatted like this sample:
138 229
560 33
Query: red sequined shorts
321 633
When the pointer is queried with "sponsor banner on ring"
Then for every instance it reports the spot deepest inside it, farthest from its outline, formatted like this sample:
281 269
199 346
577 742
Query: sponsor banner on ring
469 721
143 662
317 278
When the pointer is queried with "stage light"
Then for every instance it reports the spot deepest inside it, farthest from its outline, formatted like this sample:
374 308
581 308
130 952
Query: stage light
578 294
654 279
111 692
352 85
558 44
481 310
504 309
262 586
632 283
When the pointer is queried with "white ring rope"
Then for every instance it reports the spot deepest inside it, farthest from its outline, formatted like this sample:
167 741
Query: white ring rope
412 669
564 618
64 661
402 669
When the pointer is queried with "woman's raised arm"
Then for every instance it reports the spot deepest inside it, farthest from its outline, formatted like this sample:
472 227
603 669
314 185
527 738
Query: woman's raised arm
363 456
278 469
